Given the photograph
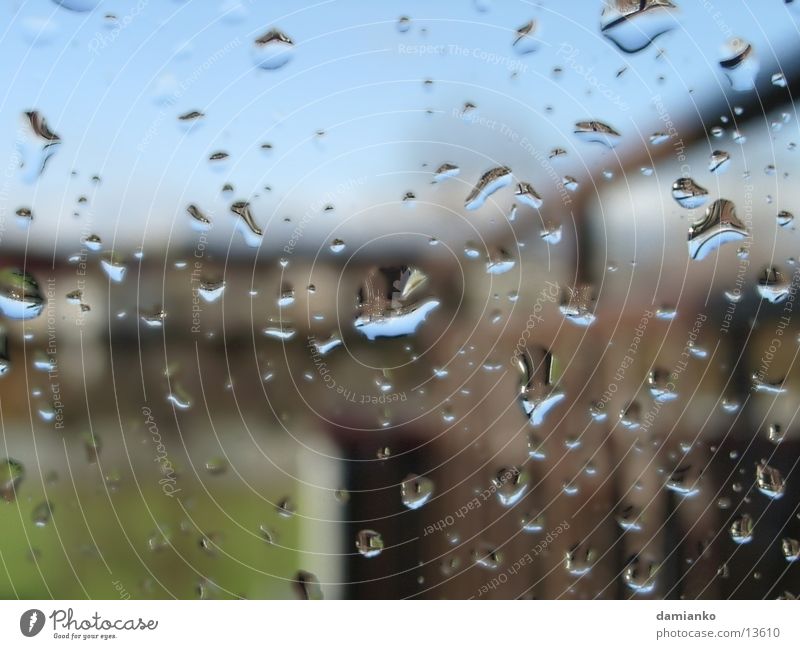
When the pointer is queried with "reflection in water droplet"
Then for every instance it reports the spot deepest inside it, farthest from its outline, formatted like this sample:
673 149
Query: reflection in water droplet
369 543
307 586
660 384
527 195
156 319
211 290
577 305
762 384
776 433
719 162
416 490
272 50
640 576
773 286
36 144
286 508
719 226
784 218
510 485
740 64
386 309
630 519
246 224
630 416
791 549
594 131
487 556
20 296
499 262
42 513
687 193
579 560
200 221
633 24
488 184
445 171
551 233
280 332
533 524
683 481
113 267
769 480
525 41
538 392
11 474
741 530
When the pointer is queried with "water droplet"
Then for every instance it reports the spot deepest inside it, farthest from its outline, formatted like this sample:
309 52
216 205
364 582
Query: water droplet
778 80
659 382
683 481
386 308
79 6
551 233
763 385
369 543
307 586
190 120
499 262
280 332
156 319
688 194
525 41
488 184
659 138
272 50
719 226
510 485
776 433
487 556
791 549
113 267
577 305
251 232
784 218
416 490
632 26
20 296
741 530
579 560
739 64
773 286
719 162
538 392
11 474
445 171
42 513
35 145
286 508
594 131
527 194
769 480
630 519
640 576
570 183
211 290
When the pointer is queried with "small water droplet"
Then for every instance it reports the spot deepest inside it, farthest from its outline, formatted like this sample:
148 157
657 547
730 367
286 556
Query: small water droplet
272 50
369 543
